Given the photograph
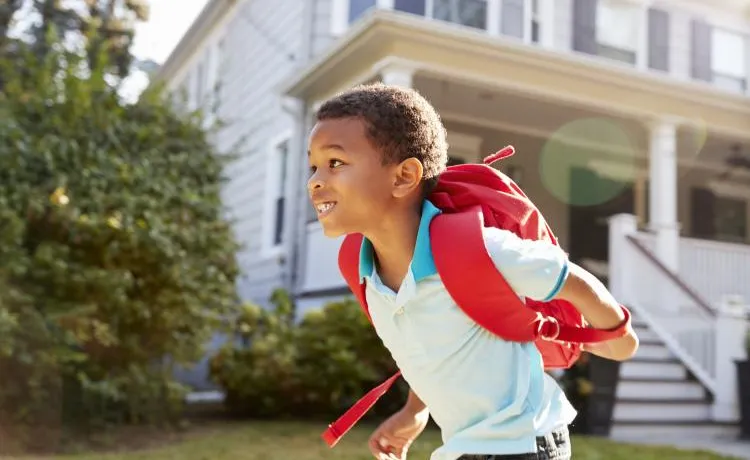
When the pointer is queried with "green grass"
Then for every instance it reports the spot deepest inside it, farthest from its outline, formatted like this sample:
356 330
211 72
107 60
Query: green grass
301 441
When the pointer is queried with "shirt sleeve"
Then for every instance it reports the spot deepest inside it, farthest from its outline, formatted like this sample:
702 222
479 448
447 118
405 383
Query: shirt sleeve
533 269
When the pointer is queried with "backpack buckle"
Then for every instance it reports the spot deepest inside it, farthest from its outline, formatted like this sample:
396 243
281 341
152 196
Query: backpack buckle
540 327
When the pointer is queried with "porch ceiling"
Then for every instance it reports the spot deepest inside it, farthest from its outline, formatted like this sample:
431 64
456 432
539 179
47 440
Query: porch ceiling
450 52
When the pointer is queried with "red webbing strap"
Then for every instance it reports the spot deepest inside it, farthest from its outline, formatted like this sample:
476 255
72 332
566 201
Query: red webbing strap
349 267
471 278
338 429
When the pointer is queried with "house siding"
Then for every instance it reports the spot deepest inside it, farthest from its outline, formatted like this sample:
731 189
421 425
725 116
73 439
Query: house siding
263 45
322 38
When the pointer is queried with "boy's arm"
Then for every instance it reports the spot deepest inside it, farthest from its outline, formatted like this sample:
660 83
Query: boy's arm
600 309
541 271
414 405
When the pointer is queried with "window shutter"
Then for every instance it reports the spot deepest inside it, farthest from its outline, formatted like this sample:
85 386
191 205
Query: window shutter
584 26
512 21
658 39
701 51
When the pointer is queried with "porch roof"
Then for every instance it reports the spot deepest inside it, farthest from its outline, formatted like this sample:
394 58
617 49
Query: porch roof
452 52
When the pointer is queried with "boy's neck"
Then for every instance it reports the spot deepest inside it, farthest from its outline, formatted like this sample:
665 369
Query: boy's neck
393 244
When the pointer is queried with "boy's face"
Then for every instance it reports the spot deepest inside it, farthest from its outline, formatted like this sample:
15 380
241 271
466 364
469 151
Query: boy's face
349 186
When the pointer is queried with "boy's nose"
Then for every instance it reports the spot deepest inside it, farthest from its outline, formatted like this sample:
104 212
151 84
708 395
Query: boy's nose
314 182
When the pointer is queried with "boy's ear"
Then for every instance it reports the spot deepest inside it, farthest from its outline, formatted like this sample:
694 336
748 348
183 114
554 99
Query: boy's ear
408 177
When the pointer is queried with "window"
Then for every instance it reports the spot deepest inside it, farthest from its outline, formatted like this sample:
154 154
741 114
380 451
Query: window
282 155
728 62
472 13
535 21
618 30
274 210
718 217
358 7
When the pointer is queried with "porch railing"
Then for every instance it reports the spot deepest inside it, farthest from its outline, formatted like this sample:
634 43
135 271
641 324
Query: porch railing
691 311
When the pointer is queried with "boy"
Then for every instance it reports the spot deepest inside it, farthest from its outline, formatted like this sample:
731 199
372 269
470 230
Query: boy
375 154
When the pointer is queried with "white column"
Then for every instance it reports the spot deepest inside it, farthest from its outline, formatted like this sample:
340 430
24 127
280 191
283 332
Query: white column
547 23
621 256
663 192
399 75
730 330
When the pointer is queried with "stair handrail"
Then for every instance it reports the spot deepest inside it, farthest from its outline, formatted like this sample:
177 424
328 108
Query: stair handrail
673 276
672 344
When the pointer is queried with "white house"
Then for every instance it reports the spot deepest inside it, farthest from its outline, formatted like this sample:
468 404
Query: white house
637 109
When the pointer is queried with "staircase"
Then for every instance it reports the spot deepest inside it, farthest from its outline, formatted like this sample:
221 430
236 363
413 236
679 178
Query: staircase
657 397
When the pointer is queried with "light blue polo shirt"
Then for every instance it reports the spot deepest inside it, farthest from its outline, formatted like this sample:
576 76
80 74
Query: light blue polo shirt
488 396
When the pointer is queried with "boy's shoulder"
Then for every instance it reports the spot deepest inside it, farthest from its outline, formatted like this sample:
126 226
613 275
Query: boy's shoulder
533 268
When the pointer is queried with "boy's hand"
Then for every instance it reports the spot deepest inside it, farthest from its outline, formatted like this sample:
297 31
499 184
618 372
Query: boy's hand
392 439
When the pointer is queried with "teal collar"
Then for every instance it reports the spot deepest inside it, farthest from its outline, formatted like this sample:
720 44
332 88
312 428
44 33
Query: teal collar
422 264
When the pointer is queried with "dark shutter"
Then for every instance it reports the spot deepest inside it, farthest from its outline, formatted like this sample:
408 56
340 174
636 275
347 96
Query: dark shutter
512 21
417 7
278 231
701 51
658 39
702 206
584 26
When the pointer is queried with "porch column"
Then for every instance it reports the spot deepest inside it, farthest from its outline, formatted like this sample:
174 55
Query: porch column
397 74
663 192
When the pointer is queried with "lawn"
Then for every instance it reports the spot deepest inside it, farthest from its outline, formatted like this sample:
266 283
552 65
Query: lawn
301 441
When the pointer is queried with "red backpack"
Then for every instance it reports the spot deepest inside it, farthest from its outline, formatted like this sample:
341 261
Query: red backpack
472 196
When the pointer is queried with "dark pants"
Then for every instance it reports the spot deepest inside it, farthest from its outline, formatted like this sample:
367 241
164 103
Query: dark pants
554 446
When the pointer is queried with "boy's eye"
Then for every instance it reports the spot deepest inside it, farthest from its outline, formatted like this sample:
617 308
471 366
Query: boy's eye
334 163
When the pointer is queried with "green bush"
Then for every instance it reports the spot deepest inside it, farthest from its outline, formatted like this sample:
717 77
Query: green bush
316 367
115 261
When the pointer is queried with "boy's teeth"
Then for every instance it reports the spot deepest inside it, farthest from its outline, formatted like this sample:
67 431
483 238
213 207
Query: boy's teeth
323 207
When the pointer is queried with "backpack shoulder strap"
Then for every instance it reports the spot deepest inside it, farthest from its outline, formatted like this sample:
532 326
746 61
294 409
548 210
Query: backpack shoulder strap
480 290
349 267
472 279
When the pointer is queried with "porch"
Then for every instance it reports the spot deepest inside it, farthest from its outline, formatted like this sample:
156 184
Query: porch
593 141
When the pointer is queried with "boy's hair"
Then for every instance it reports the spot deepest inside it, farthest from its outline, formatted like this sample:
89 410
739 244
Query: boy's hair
399 122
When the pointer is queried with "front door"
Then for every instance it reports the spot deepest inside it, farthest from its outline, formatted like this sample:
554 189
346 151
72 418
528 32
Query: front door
593 199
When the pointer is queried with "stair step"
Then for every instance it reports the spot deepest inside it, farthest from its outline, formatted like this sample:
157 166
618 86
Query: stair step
663 410
653 350
660 389
640 430
641 368
645 334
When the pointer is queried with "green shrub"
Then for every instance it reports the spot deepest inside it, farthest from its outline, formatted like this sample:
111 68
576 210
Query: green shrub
317 367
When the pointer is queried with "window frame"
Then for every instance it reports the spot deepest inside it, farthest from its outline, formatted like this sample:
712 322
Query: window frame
276 189
745 53
542 17
640 48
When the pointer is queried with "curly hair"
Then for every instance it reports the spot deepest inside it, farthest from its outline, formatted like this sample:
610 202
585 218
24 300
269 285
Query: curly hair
400 122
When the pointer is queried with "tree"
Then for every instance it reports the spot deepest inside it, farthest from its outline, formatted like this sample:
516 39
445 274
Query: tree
96 26
115 261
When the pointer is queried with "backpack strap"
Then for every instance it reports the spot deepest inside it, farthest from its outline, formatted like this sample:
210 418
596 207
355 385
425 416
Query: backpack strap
471 278
349 267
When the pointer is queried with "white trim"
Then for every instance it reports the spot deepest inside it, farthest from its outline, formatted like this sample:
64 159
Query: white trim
464 142
339 17
610 149
272 187
468 147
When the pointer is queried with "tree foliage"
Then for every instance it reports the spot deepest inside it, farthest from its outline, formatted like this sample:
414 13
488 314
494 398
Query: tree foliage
115 261
92 26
